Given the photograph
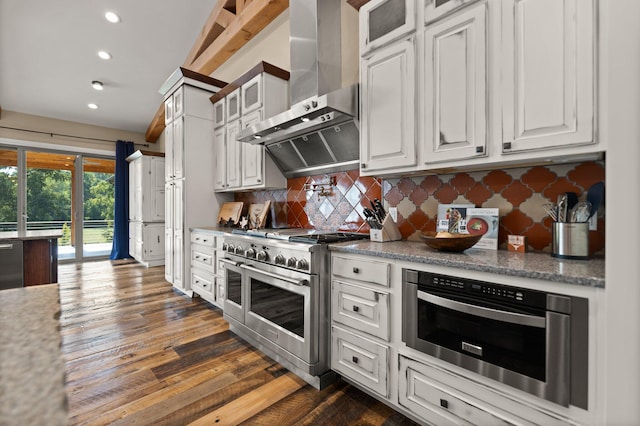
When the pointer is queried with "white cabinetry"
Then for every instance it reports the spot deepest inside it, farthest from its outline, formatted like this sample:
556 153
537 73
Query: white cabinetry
146 208
388 108
189 197
360 322
382 21
548 74
247 166
455 89
203 266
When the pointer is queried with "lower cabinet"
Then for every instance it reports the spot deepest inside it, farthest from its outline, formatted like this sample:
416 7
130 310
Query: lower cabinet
361 360
146 242
203 266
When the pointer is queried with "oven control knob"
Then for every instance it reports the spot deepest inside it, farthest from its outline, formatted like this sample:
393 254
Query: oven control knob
291 262
239 250
262 255
224 246
231 248
302 264
250 253
280 260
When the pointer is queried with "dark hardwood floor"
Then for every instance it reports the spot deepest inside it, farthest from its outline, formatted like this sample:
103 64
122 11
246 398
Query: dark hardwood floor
138 352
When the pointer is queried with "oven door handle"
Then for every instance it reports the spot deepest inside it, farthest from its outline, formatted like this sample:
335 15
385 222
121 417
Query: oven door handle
299 283
230 262
494 314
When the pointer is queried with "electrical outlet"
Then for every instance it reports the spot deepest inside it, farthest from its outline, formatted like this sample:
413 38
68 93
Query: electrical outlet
393 212
593 223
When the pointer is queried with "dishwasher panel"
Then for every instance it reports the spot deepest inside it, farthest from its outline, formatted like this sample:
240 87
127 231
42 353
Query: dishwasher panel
10 264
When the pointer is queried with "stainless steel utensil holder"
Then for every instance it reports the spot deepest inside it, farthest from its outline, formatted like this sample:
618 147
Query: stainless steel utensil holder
570 240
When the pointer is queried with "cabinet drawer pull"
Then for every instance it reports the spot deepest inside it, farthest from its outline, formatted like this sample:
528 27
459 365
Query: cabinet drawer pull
354 359
444 403
356 270
356 308
506 145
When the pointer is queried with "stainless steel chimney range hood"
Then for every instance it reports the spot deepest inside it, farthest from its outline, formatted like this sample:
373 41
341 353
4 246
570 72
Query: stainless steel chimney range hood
320 132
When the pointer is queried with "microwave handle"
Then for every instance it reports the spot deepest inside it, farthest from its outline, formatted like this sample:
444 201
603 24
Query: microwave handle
494 314
276 276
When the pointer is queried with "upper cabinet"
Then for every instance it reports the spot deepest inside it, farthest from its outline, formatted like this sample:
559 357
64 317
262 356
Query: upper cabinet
548 68
259 94
497 82
455 89
383 21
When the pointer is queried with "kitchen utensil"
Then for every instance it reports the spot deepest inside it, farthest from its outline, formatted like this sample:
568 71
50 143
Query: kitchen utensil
379 209
230 212
562 207
551 210
450 242
570 240
572 200
595 195
371 218
581 212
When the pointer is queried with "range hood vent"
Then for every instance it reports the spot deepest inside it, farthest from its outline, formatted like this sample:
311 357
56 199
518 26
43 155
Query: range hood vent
320 132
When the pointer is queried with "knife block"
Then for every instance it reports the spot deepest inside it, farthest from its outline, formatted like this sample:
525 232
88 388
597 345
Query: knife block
389 231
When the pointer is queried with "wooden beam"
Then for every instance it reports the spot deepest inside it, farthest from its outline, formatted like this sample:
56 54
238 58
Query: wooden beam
223 34
256 15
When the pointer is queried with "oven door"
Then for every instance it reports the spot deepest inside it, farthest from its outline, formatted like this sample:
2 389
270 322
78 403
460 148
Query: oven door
282 307
526 351
233 287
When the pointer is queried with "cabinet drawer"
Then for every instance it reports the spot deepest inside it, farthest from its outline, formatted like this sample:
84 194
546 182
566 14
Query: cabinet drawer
360 360
361 270
430 398
203 239
361 308
202 281
203 258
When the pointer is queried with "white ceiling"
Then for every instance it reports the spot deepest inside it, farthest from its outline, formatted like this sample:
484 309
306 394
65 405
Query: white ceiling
48 56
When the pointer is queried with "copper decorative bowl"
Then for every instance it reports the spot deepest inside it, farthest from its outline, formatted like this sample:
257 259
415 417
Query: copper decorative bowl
445 241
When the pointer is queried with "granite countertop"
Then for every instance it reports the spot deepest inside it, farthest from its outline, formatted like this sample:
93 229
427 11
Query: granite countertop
30 235
32 385
527 265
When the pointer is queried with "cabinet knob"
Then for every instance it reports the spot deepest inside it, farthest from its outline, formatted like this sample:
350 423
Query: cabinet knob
363 166
356 308
444 403
356 270
506 146
354 359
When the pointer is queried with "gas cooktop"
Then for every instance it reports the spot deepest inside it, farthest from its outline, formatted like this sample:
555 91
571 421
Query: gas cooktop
299 235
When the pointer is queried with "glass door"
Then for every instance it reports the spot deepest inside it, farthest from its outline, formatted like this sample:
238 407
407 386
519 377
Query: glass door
98 177
8 190
49 195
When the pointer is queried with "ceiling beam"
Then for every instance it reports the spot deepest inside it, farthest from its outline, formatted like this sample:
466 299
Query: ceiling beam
231 24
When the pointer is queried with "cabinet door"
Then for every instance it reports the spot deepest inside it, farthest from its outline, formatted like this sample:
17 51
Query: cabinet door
178 102
153 241
168 147
548 74
168 110
168 232
233 105
157 204
219 113
455 89
382 21
220 152
252 155
251 95
387 136
178 148
433 9
233 154
178 234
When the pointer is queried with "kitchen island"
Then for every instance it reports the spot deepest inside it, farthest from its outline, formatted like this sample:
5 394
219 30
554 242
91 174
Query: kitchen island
31 365
39 255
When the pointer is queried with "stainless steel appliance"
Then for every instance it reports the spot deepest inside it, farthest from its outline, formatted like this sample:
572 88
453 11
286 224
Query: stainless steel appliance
278 288
320 132
531 340
11 275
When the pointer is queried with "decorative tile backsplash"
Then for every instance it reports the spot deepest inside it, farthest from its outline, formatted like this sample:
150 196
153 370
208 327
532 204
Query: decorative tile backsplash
518 193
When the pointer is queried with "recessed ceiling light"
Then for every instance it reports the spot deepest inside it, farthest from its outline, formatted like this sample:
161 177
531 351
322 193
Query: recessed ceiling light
112 17
97 85
104 54
93 106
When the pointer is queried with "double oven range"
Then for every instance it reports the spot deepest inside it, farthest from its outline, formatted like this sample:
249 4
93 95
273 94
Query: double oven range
278 296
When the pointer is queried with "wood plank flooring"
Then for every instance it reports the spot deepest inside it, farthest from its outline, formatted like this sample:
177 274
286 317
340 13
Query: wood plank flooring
138 352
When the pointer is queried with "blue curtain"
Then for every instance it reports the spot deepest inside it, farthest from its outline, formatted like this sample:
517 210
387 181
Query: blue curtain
120 249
